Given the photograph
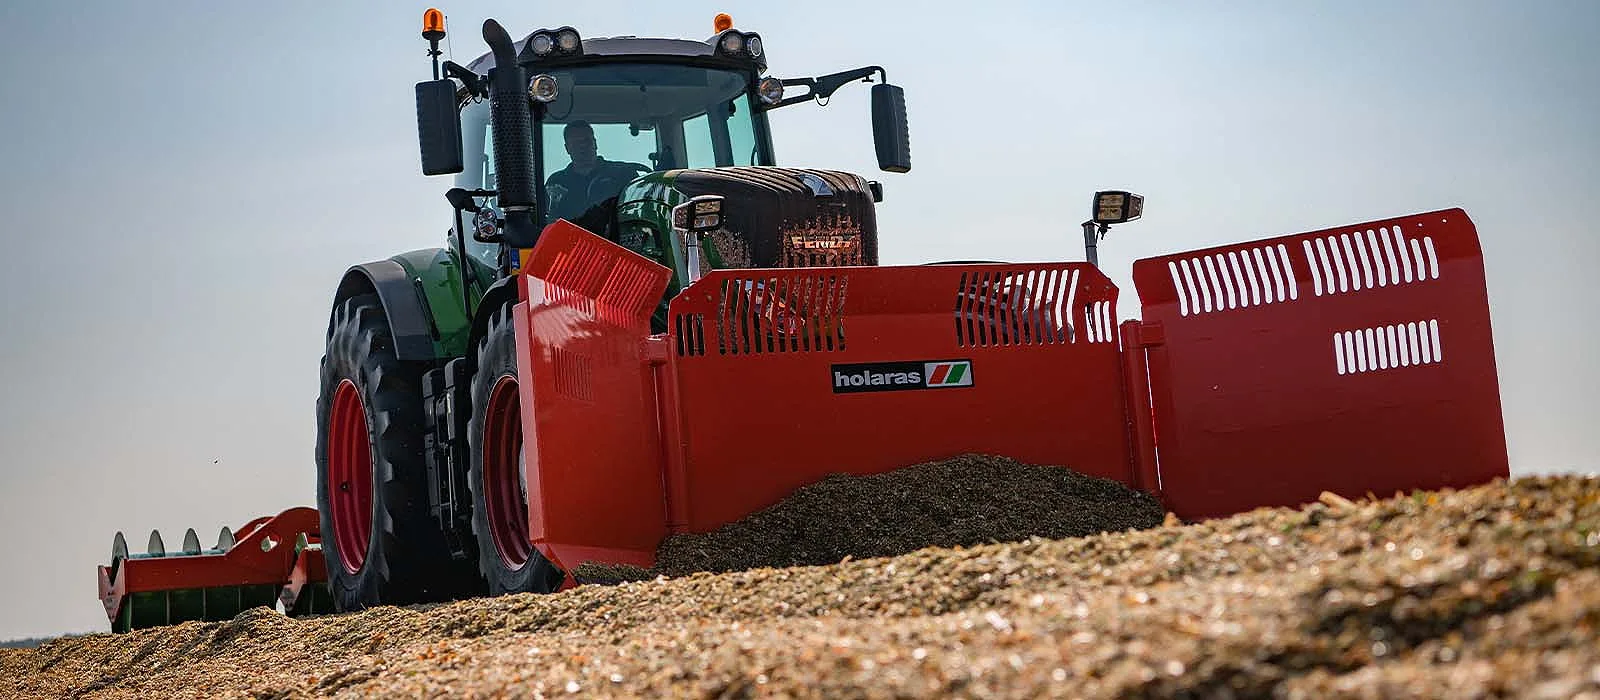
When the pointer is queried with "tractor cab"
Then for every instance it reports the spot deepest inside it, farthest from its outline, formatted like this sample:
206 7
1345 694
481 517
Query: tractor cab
621 130
622 108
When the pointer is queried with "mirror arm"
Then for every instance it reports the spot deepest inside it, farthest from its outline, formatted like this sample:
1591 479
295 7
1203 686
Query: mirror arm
476 84
823 87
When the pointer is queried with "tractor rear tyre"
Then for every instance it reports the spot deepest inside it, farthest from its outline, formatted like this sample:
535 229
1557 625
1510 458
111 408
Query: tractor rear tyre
497 477
380 542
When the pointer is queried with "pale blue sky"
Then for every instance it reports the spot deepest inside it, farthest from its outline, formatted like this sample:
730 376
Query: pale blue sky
184 182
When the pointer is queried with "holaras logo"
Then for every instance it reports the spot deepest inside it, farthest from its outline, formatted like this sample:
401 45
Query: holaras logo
901 376
958 373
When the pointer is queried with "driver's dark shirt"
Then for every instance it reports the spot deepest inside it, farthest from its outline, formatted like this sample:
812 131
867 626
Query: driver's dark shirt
578 197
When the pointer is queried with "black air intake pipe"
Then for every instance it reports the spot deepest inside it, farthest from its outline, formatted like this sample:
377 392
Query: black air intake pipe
513 138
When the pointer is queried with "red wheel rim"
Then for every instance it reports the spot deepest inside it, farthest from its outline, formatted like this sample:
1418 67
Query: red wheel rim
504 490
350 476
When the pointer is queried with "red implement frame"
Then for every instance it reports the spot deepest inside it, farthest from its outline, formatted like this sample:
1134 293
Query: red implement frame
263 553
1356 359
766 364
750 396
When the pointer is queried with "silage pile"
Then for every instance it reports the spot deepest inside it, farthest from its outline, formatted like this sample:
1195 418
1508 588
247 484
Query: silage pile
1487 592
961 502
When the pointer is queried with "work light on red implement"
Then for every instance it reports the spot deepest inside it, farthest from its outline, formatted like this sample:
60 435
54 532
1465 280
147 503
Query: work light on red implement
1110 207
1117 207
692 220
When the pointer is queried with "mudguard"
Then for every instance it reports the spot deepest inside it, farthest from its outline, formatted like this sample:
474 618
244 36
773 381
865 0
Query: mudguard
421 295
412 335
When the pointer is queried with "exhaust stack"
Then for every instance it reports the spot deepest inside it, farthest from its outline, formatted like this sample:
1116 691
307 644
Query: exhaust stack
513 137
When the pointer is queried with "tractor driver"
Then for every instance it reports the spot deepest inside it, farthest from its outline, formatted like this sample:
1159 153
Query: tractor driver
576 190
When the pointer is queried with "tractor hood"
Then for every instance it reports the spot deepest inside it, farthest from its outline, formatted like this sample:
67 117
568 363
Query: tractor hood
788 217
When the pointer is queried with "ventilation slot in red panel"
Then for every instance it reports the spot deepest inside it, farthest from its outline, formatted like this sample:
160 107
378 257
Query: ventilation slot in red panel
781 314
1234 279
690 333
1387 347
1098 324
595 279
574 375
1349 262
1019 308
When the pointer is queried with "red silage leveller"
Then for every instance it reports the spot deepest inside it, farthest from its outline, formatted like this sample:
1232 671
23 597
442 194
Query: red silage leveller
1357 359
1271 371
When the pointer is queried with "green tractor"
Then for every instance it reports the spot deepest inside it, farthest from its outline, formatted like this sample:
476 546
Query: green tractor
642 141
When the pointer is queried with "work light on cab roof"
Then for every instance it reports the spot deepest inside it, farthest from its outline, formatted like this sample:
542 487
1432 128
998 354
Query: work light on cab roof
555 42
734 43
543 88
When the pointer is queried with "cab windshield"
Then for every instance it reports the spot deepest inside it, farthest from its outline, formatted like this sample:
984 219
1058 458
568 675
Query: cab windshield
610 123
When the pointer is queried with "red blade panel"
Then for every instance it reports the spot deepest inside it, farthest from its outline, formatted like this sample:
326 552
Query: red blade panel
1351 359
785 376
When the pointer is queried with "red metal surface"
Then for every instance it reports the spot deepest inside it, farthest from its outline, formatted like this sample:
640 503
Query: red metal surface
1141 411
309 569
1351 359
263 553
755 354
588 398
502 475
350 476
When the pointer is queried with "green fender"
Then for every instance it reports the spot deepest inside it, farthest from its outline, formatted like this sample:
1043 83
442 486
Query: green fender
422 297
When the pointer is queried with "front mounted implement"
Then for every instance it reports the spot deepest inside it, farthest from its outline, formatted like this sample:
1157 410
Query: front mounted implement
1262 374
771 379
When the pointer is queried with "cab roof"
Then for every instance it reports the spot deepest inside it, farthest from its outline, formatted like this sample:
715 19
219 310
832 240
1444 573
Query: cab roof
616 46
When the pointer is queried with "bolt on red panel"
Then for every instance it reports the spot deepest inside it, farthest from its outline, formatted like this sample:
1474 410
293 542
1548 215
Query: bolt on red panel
1351 359
782 377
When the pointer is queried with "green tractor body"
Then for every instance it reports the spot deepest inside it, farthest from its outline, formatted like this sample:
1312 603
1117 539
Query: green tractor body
406 451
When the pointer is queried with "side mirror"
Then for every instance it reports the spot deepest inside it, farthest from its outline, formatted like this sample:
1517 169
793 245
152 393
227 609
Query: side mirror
439 127
890 132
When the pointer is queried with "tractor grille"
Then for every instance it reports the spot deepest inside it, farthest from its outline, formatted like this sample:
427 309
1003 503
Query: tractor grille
789 217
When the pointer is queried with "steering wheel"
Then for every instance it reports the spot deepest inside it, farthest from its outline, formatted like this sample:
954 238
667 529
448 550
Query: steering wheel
598 216
615 175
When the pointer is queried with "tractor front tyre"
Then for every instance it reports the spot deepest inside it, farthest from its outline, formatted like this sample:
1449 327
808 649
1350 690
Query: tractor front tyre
497 477
379 540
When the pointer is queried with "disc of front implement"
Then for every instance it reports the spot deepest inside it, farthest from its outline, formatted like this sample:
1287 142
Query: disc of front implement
350 476
191 542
